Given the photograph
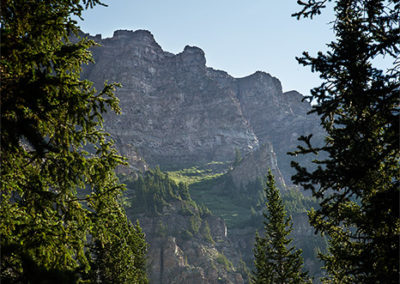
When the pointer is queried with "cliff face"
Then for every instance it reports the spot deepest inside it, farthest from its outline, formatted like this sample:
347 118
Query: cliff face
177 112
172 111
187 244
177 254
256 164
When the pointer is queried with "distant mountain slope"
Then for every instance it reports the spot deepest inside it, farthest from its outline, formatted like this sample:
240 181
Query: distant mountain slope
176 112
187 244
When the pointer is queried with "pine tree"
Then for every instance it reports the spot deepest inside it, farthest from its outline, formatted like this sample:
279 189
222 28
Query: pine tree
121 258
357 184
59 192
276 260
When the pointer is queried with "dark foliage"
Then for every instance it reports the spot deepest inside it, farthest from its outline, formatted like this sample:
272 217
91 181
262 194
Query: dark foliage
58 202
357 185
151 192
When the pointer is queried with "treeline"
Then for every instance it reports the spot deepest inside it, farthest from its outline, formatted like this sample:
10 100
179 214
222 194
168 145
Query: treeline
150 192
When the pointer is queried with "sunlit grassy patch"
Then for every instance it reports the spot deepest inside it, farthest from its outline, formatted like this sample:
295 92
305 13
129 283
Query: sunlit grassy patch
197 174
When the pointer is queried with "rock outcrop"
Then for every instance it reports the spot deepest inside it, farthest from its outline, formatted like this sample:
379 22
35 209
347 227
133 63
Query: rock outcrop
177 112
188 248
172 112
257 164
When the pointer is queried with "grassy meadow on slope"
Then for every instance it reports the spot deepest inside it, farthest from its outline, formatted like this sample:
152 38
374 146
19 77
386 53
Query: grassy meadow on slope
210 185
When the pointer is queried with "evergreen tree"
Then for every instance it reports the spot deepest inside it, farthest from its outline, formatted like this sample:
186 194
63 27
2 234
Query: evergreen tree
121 258
154 190
357 184
58 198
276 260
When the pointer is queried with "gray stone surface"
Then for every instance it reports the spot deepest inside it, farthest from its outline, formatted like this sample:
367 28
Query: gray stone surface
177 112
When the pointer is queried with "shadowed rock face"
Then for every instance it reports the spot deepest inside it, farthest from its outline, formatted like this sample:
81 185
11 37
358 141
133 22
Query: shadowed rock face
172 110
174 258
177 112
256 164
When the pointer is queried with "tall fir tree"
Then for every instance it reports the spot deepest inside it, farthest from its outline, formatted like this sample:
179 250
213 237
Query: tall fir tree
357 184
276 259
59 201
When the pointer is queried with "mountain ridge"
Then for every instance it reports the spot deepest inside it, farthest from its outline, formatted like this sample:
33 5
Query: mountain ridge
176 111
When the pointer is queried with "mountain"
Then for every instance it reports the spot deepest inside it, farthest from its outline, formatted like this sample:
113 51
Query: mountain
191 120
177 112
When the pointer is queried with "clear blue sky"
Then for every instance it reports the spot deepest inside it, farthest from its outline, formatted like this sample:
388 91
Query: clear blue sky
237 36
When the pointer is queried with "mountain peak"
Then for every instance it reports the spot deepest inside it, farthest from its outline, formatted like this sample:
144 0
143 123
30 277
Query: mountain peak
193 56
261 75
138 35
193 50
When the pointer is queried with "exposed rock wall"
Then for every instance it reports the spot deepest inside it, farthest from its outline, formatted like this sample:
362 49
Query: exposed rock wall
171 110
177 112
179 255
257 164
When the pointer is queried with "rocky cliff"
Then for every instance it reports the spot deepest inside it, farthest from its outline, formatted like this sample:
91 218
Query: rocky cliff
172 111
256 164
177 112
177 254
187 244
